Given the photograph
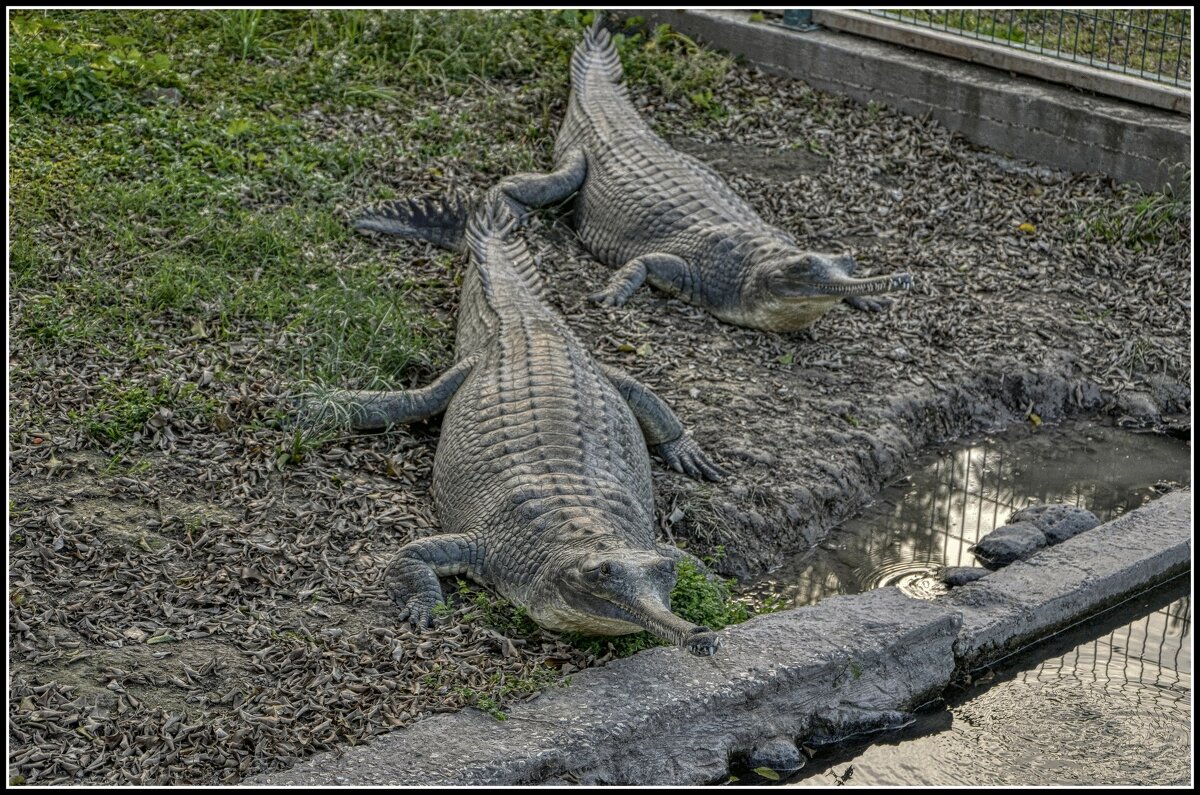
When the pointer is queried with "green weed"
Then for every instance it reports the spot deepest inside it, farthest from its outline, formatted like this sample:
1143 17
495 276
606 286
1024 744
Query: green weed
1146 220
124 408
697 597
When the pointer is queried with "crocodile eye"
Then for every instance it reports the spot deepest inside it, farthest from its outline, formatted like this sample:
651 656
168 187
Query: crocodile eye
605 569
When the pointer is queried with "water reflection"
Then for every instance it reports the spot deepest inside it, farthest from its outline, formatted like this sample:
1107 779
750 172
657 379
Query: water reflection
957 496
1113 709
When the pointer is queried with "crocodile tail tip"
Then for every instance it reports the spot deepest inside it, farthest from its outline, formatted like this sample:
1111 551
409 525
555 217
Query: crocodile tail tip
439 220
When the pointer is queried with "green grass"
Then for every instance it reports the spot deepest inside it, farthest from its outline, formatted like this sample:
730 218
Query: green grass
1146 219
148 225
123 409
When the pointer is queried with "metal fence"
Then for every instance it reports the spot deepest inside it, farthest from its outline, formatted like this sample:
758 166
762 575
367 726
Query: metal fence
1152 44
1141 55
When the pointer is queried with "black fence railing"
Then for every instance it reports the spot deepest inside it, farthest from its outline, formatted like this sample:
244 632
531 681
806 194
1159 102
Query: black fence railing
1152 44
1149 43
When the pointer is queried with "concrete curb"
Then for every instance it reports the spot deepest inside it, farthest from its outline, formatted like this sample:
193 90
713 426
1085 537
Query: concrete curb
1026 117
846 664
1031 598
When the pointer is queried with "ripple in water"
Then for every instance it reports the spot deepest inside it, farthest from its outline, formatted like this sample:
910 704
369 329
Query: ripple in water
1107 710
1111 705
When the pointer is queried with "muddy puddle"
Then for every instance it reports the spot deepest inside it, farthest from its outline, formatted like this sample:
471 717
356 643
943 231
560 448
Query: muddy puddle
955 496
1104 703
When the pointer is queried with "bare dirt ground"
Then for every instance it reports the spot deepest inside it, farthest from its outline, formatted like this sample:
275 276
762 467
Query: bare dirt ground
198 611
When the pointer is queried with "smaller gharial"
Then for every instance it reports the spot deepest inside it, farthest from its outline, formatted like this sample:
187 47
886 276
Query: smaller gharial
541 479
661 216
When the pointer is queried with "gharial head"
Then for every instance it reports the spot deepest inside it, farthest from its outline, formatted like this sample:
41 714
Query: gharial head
797 287
615 591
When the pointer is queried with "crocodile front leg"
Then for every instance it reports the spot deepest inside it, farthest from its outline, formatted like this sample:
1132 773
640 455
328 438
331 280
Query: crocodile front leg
665 271
411 579
531 189
663 431
370 410
863 303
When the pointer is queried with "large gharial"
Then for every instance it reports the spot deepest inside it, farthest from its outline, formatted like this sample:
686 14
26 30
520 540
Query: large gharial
541 478
662 216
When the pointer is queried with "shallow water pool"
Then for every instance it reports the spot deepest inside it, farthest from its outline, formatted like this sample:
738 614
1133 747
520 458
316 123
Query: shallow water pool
955 496
1106 702
1082 708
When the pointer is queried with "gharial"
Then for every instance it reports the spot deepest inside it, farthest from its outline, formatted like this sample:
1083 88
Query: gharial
662 216
541 479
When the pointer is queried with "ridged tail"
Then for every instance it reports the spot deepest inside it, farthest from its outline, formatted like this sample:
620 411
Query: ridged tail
461 224
442 221
595 55
494 248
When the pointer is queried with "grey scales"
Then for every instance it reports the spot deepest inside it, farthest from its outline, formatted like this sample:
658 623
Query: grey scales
541 479
661 216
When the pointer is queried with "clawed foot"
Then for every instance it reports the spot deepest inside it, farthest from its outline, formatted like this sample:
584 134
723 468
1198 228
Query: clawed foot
684 455
519 212
609 297
702 642
416 605
867 304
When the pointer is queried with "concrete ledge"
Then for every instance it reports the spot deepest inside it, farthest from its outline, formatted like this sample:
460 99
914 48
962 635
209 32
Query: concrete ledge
847 664
1031 598
664 716
1025 117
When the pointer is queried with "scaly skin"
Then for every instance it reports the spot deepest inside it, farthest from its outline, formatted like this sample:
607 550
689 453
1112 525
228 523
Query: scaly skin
541 479
658 215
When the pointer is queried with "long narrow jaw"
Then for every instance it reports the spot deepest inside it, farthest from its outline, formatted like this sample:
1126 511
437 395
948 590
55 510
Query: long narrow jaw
659 621
847 287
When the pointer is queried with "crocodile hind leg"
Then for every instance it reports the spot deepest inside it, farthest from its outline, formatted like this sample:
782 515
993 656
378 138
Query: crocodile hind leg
663 431
532 189
411 579
370 410
667 271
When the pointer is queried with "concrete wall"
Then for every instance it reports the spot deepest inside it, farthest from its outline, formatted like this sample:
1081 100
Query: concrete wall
1020 116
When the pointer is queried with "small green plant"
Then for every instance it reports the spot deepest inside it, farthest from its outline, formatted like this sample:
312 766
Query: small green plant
1144 221
52 72
495 612
501 690
697 597
241 35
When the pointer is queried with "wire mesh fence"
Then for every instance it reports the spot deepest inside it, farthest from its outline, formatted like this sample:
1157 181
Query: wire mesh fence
1152 44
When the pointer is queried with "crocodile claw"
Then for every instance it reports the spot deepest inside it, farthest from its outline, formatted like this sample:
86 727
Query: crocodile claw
610 297
684 455
703 643
416 604
865 303
418 612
